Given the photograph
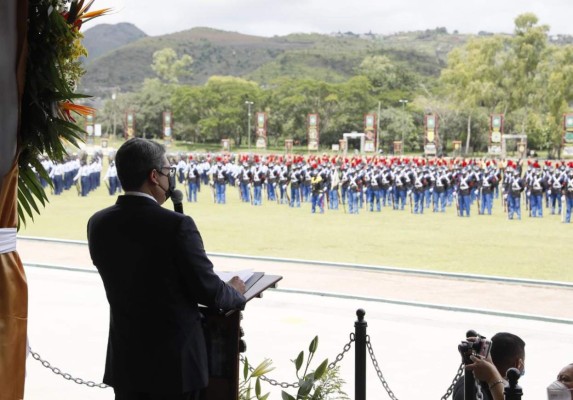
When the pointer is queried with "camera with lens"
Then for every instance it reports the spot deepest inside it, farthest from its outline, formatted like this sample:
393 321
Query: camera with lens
475 345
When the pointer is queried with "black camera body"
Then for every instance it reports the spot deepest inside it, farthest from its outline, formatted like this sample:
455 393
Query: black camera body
476 345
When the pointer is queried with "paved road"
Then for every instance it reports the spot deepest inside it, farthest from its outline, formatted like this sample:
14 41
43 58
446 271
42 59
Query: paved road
415 346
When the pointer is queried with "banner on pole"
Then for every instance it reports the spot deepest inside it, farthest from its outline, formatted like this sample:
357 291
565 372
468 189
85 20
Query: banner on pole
313 132
431 128
167 124
370 129
261 130
495 128
130 124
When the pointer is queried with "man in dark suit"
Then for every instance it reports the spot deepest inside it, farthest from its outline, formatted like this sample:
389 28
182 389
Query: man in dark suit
155 273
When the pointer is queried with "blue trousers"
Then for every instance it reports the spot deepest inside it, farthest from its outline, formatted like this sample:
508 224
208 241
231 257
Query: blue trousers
374 199
294 197
465 202
418 202
220 192
536 205
192 196
486 203
316 200
555 201
353 206
258 195
569 205
333 199
514 206
439 201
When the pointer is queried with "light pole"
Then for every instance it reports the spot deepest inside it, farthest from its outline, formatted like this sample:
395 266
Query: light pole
249 104
404 102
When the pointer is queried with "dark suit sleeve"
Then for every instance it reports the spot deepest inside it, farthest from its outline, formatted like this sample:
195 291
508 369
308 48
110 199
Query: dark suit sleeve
197 271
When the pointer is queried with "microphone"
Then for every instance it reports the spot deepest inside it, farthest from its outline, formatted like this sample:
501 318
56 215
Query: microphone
177 199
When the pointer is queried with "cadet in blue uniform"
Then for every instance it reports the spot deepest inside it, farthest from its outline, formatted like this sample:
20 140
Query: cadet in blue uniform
568 194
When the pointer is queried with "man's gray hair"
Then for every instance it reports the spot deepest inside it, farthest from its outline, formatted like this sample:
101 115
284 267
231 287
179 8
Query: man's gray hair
135 159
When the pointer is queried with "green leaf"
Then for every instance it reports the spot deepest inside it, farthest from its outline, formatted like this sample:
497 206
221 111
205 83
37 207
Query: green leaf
24 203
313 345
286 396
258 387
305 388
321 369
246 369
299 360
265 397
29 198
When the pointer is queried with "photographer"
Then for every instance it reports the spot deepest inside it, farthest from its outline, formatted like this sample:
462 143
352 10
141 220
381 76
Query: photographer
507 351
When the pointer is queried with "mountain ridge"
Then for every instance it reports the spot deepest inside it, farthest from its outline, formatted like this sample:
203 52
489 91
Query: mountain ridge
334 57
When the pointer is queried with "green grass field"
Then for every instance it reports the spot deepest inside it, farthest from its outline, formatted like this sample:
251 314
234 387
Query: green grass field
490 245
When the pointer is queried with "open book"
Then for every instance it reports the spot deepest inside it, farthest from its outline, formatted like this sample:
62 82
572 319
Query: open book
247 276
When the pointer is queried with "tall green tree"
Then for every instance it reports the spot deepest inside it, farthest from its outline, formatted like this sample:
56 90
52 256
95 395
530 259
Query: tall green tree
218 109
168 67
475 79
554 94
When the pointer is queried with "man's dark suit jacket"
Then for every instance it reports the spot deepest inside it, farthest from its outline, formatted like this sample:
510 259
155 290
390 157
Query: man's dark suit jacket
155 272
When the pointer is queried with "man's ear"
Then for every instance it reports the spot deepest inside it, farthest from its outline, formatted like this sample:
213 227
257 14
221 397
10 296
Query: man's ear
153 177
520 364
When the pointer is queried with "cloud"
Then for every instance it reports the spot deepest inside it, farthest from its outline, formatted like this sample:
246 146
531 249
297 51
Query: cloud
280 17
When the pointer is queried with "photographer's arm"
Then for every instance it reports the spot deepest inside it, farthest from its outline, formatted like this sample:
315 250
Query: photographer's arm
485 371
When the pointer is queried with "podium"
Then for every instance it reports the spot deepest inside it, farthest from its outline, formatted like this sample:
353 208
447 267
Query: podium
223 336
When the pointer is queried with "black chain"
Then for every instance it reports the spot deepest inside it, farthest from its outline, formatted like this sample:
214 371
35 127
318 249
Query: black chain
65 375
378 371
454 381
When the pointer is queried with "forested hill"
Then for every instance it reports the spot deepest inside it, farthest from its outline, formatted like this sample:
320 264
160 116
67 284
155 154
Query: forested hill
104 38
331 58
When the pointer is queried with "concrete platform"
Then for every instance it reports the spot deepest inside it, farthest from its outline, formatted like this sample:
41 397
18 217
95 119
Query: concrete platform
416 347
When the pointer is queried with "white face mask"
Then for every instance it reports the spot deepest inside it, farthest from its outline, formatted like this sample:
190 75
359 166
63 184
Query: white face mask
558 391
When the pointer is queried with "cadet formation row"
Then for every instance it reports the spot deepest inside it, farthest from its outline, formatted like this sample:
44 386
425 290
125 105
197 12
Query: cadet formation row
357 183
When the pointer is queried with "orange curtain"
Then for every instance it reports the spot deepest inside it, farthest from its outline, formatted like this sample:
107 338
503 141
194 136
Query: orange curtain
13 300
13 285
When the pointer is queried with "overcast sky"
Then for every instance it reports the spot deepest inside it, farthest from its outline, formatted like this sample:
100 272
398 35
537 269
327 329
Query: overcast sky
281 17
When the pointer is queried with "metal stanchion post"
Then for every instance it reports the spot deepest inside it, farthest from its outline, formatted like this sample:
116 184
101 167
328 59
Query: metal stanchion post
360 356
513 390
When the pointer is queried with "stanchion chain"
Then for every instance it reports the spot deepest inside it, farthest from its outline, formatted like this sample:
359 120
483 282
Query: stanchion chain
454 381
479 394
272 382
377 368
295 385
65 375
345 350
